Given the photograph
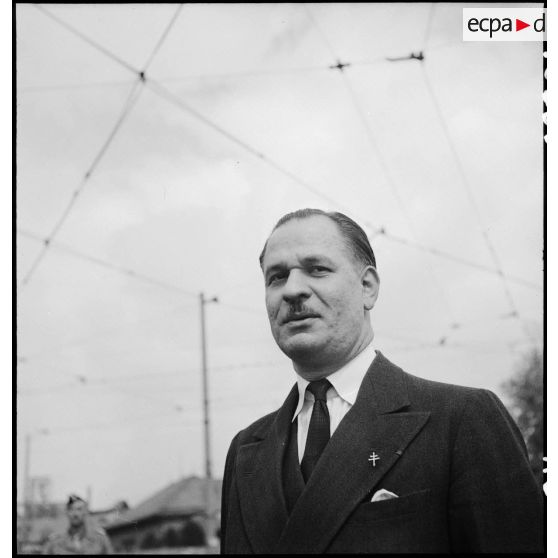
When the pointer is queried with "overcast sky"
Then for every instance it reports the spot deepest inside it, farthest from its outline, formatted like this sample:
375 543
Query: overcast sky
444 153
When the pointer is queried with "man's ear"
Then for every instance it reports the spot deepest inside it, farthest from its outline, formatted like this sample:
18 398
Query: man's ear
370 286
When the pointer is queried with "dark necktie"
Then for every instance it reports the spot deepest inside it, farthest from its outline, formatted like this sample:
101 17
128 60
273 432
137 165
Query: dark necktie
318 431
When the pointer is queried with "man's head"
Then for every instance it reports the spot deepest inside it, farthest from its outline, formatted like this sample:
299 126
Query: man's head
76 510
320 283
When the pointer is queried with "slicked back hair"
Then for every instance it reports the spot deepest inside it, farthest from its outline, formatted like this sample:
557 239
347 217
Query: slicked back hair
354 236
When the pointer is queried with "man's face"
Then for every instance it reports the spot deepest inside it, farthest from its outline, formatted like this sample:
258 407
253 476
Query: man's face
315 294
76 513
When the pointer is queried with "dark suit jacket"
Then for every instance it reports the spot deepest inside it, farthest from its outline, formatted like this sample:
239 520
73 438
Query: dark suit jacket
452 454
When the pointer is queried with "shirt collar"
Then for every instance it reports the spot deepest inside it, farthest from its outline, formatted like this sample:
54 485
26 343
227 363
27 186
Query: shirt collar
346 381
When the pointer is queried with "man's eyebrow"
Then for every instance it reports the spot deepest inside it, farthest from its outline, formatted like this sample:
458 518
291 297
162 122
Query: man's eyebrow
316 260
274 267
306 261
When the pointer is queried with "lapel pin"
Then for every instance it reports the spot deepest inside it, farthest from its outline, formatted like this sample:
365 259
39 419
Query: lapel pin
374 457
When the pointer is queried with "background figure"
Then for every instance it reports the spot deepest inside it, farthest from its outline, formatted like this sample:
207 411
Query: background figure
79 538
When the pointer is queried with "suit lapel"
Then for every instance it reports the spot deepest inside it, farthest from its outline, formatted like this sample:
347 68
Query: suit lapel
344 475
260 487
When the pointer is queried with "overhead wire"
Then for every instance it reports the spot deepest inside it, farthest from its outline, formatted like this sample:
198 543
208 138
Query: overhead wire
174 99
162 38
231 75
111 380
375 229
129 103
87 39
132 273
457 259
468 187
260 155
205 76
67 86
380 158
246 73
131 100
168 286
77 341
177 101
428 27
108 265
119 423
473 202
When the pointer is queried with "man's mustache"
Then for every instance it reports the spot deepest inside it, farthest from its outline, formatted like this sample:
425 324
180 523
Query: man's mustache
299 311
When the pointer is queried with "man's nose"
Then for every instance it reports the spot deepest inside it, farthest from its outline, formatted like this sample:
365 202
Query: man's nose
296 287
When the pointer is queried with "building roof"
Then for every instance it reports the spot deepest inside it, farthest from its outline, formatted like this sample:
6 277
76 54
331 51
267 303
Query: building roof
184 497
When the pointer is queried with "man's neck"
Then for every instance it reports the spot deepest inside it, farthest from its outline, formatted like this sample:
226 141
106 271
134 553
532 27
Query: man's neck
318 370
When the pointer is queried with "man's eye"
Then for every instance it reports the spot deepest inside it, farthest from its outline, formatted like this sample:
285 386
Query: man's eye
318 269
276 277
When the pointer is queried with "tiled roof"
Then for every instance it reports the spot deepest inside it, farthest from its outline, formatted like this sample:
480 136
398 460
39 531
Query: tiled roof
185 496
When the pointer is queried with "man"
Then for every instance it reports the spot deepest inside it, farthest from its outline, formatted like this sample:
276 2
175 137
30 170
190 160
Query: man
363 457
79 537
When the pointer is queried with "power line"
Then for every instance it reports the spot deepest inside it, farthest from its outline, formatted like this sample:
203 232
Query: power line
379 157
246 73
119 423
472 200
428 27
130 101
111 380
228 75
65 86
177 101
88 40
162 38
106 52
163 92
320 32
457 259
100 334
383 163
114 267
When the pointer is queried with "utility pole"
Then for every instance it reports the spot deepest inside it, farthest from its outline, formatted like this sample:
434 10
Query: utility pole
207 445
26 487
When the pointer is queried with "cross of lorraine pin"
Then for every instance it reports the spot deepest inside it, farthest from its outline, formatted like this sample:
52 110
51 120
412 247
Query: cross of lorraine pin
374 457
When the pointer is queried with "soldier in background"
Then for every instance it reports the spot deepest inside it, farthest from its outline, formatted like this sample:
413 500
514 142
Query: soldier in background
79 538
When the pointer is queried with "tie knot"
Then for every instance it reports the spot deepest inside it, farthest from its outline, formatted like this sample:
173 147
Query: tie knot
319 389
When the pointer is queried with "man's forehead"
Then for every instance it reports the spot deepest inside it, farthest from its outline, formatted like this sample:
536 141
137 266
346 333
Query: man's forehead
315 228
310 237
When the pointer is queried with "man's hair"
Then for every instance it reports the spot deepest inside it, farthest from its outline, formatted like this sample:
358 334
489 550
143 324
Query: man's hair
354 236
72 499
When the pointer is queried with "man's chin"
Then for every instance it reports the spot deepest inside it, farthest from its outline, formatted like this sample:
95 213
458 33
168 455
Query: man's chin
302 347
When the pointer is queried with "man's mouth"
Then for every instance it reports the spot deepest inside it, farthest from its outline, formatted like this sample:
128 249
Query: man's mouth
298 317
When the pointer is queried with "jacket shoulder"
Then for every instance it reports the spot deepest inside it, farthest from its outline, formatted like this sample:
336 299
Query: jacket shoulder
260 425
439 388
451 397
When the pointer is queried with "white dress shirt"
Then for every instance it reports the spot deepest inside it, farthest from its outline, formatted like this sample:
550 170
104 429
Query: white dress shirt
340 397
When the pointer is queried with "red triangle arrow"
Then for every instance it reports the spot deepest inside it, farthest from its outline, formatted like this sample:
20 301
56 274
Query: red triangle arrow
519 25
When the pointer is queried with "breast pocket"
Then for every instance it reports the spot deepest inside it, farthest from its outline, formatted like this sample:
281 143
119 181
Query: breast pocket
408 524
385 509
